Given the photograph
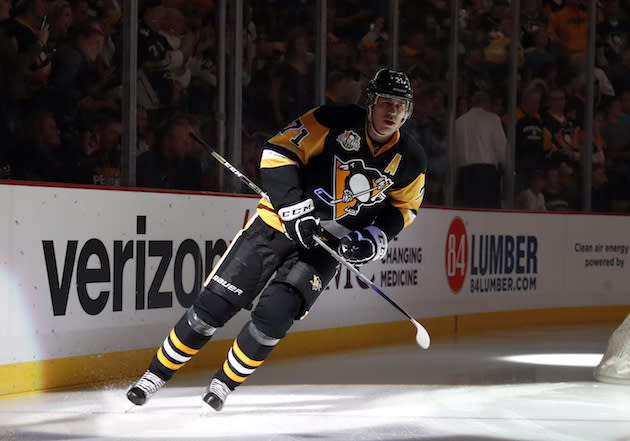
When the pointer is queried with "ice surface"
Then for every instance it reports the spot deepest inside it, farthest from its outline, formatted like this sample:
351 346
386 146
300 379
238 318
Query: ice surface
487 387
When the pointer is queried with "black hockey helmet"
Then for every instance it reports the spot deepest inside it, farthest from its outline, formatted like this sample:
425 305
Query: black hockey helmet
390 84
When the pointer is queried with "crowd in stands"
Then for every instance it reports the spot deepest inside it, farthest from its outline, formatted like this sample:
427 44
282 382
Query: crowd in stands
61 78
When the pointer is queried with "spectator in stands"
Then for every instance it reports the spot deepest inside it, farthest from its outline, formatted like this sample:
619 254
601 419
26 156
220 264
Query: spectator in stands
615 134
369 61
60 19
558 197
162 73
415 52
144 131
539 56
74 77
29 33
533 19
426 130
578 65
80 14
560 136
480 146
489 22
599 145
620 72
169 165
42 156
352 19
497 50
109 130
474 72
576 101
291 90
601 192
377 33
529 136
568 29
532 198
341 88
339 54
612 35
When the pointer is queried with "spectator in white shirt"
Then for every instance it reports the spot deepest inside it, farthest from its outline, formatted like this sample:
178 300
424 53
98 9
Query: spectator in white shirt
480 156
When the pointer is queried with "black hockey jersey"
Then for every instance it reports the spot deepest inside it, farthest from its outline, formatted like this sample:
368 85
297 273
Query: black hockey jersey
327 155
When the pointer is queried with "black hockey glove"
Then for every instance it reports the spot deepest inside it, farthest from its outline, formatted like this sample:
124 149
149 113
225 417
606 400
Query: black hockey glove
299 223
363 246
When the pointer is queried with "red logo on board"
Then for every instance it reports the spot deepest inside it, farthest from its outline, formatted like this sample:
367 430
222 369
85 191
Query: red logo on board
456 254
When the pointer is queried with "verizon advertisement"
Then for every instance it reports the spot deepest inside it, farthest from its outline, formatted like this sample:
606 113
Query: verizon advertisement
86 271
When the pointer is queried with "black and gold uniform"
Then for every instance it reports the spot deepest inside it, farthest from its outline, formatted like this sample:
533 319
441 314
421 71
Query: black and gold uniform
323 169
326 155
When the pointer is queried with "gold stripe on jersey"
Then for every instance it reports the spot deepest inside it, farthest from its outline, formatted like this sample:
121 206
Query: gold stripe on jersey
409 198
268 215
271 159
304 137
181 346
391 143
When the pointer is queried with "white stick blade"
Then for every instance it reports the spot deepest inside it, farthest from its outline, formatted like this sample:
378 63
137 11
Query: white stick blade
422 336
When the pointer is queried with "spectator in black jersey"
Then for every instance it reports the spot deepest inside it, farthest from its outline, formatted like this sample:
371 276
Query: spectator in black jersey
529 136
560 136
162 71
343 167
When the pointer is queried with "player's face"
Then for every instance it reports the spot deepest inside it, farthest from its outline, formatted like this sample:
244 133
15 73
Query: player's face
388 114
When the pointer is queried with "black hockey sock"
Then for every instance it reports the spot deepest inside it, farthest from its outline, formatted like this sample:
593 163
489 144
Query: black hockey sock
183 342
249 350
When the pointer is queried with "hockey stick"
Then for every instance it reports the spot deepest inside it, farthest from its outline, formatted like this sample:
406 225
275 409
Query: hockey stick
422 336
229 166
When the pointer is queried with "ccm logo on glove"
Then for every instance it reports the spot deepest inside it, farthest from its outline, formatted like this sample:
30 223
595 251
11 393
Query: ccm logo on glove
298 224
363 246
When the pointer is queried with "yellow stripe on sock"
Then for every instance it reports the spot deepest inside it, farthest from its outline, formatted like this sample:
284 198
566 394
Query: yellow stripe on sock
166 362
181 346
244 358
230 373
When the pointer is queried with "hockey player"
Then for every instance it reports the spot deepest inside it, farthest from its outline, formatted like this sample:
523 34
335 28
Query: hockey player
342 172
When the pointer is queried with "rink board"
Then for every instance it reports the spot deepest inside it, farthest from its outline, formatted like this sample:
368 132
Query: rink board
98 276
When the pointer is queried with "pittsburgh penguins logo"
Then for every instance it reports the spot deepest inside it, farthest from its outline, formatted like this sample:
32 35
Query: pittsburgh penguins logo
355 185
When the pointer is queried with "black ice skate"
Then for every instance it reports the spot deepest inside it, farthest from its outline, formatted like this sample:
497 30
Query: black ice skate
216 393
140 391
